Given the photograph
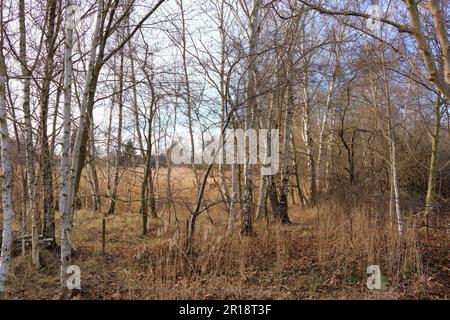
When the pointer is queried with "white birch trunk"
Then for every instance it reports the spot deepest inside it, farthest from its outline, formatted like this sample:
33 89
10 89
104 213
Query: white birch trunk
307 138
64 201
263 179
325 122
393 149
234 196
31 177
5 255
189 99
283 213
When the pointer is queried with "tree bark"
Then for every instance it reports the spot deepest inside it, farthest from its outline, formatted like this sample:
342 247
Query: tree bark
46 159
307 138
118 153
429 202
283 215
64 201
30 156
8 213
248 208
393 148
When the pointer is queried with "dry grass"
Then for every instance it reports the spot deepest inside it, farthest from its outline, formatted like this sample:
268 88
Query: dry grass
324 253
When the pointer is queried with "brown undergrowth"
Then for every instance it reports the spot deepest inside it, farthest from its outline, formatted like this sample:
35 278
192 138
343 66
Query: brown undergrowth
324 253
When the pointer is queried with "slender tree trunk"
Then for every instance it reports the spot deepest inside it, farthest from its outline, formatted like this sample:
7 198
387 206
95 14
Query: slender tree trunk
46 158
283 213
297 174
223 97
31 173
273 196
118 154
307 138
349 146
324 124
398 211
147 188
234 196
64 201
169 166
8 213
330 151
391 199
429 202
188 93
134 104
145 183
393 148
262 194
49 226
109 160
78 153
97 200
248 208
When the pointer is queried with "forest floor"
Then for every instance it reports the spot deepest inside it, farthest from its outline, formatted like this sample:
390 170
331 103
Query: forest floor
279 262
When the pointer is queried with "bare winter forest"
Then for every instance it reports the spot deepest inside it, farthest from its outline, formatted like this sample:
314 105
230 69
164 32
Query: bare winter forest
225 149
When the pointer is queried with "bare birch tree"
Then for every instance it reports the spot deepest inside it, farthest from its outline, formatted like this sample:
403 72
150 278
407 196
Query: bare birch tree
64 204
253 15
7 236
